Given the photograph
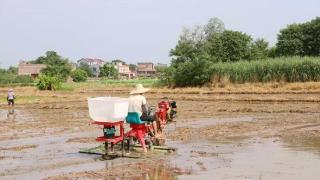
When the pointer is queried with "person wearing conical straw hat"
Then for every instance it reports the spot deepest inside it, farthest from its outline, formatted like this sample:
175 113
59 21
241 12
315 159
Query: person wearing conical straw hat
10 97
138 104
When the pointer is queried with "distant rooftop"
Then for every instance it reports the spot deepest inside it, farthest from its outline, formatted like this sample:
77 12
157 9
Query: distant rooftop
30 69
91 60
145 63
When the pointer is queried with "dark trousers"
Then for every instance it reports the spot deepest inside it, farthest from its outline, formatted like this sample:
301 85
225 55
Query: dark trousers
149 116
10 102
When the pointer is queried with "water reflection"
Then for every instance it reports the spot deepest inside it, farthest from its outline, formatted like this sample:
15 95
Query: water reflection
7 114
161 171
248 159
11 115
311 144
154 171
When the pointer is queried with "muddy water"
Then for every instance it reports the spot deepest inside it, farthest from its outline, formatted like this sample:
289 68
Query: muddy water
48 152
247 159
41 156
40 144
36 144
199 123
243 157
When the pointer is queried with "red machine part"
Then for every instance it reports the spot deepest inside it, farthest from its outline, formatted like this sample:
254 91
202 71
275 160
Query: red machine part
139 131
114 139
163 108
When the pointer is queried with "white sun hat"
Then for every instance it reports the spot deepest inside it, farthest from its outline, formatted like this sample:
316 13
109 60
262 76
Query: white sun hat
139 89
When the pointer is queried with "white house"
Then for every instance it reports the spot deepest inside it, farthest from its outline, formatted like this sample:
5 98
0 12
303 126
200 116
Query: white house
93 63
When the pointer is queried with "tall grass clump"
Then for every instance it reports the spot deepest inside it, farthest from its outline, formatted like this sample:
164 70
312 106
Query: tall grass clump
286 69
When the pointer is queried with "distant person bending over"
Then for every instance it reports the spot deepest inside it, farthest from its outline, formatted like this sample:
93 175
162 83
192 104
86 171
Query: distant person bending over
10 97
138 104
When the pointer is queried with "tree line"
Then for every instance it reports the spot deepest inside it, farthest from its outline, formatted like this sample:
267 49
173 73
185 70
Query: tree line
58 69
200 48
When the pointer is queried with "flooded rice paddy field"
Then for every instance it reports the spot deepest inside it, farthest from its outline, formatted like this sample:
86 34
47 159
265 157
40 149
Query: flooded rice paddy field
218 136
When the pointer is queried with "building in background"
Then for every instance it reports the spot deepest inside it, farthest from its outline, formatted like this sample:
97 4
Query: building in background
123 69
93 63
32 70
146 69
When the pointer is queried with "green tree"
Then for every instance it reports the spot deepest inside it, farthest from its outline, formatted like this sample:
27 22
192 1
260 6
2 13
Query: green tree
132 67
192 73
229 46
184 51
108 70
85 67
79 75
45 82
190 46
311 37
290 41
39 60
166 76
12 70
214 26
56 65
272 52
192 41
259 50
117 61
300 39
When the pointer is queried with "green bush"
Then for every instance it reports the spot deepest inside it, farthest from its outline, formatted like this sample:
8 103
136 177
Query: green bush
23 79
8 78
45 82
109 71
165 76
189 73
87 68
79 75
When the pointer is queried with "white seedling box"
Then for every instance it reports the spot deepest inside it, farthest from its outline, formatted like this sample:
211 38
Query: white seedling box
108 109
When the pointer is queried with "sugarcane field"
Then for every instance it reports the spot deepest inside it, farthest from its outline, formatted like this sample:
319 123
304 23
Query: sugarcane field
159 90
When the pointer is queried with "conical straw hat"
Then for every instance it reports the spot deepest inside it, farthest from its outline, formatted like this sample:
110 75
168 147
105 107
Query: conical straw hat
139 89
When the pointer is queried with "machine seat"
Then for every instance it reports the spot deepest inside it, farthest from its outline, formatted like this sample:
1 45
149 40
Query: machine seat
133 118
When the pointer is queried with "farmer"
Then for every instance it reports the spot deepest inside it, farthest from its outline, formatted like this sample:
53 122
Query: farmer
10 97
138 104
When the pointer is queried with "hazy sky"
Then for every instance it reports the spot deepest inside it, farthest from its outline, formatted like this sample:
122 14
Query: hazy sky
132 30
